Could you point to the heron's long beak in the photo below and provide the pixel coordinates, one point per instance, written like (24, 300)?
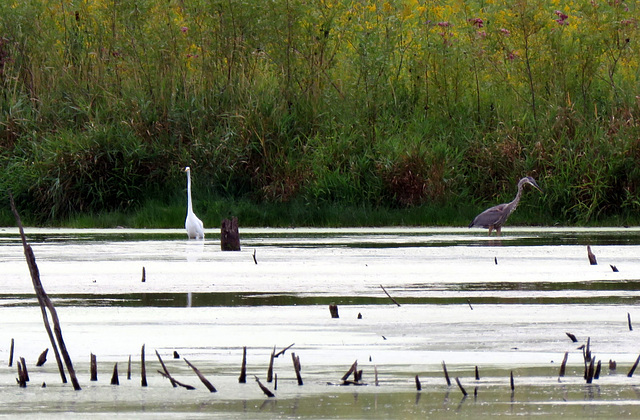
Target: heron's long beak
(537, 187)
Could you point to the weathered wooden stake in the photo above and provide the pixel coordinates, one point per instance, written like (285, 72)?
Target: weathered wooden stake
(614, 268)
(469, 303)
(612, 364)
(144, 275)
(375, 374)
(22, 380)
(11, 353)
(591, 371)
(629, 321)
(572, 337)
(513, 387)
(243, 369)
(352, 369)
(229, 236)
(93, 368)
(255, 260)
(592, 257)
(129, 369)
(143, 369)
(204, 380)
(42, 359)
(477, 374)
(563, 366)
(446, 374)
(598, 367)
(333, 310)
(418, 384)
(114, 377)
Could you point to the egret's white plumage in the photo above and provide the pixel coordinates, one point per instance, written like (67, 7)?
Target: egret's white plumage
(193, 225)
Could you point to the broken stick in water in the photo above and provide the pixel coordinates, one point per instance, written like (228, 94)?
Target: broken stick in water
(46, 304)
(93, 368)
(144, 275)
(592, 257)
(129, 369)
(351, 370)
(477, 374)
(270, 369)
(42, 359)
(11, 353)
(281, 352)
(446, 374)
(204, 380)
(390, 297)
(572, 337)
(243, 369)
(164, 372)
(629, 321)
(255, 260)
(614, 268)
(24, 369)
(333, 310)
(633, 368)
(264, 388)
(464, 391)
(297, 367)
(114, 376)
(563, 366)
(418, 384)
(143, 369)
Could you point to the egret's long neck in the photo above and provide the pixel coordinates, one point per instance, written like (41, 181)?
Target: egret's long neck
(189, 206)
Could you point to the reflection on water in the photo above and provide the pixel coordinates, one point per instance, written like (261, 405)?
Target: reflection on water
(501, 305)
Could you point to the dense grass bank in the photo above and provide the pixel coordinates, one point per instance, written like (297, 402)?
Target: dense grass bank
(319, 113)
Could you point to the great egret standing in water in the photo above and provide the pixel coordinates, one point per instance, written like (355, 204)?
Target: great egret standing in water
(494, 217)
(194, 226)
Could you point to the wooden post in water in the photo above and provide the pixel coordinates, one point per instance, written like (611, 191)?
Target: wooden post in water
(446, 374)
(333, 310)
(94, 368)
(229, 236)
(114, 377)
(42, 359)
(297, 367)
(46, 304)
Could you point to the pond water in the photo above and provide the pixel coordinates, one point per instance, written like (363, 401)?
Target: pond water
(501, 306)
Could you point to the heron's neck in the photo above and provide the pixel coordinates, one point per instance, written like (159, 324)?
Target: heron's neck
(515, 201)
(189, 206)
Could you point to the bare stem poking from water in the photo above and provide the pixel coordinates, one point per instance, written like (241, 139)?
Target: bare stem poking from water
(572, 337)
(264, 388)
(297, 367)
(629, 321)
(392, 299)
(464, 391)
(164, 372)
(592, 257)
(114, 376)
(93, 367)
(45, 303)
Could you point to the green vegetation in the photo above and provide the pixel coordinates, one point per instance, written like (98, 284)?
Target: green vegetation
(334, 112)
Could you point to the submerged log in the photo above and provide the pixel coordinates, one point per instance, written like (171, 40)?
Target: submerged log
(45, 303)
(229, 236)
(243, 369)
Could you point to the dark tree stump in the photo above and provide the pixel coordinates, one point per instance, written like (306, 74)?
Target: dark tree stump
(229, 236)
(43, 358)
(333, 309)
(94, 368)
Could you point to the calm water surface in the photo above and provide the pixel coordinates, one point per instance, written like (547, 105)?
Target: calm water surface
(501, 305)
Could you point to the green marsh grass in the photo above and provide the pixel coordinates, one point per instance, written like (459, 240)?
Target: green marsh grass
(328, 113)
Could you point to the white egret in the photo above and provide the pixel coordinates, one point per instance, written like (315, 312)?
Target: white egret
(193, 225)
